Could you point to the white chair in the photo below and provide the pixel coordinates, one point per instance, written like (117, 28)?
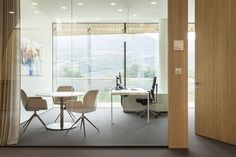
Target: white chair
(89, 104)
(33, 104)
(56, 101)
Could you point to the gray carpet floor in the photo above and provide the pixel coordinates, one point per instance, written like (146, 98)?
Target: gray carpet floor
(129, 129)
(198, 147)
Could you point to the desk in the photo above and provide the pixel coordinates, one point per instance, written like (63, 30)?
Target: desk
(60, 95)
(136, 91)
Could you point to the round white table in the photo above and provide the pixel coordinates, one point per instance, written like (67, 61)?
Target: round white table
(61, 95)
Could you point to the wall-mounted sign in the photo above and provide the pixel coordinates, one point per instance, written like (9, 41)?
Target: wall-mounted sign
(178, 45)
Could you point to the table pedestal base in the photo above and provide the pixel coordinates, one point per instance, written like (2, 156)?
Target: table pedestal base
(57, 126)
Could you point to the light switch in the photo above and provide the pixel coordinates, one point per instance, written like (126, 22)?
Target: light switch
(178, 71)
(178, 45)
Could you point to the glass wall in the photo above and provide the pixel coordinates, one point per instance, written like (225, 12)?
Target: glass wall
(91, 57)
(191, 65)
(142, 60)
(93, 64)
(92, 60)
(86, 44)
(191, 53)
(93, 45)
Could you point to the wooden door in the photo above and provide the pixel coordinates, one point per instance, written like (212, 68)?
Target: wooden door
(215, 113)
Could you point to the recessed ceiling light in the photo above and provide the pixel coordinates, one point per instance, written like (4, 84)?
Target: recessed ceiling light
(34, 3)
(134, 15)
(80, 4)
(113, 3)
(120, 10)
(36, 11)
(63, 8)
(98, 18)
(11, 12)
(153, 3)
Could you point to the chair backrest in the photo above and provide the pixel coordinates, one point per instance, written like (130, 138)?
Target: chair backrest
(24, 98)
(154, 82)
(89, 99)
(64, 89)
(152, 95)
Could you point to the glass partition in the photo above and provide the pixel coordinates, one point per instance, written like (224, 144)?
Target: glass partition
(86, 44)
(97, 56)
(96, 59)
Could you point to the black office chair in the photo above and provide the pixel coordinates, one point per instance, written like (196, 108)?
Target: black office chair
(152, 100)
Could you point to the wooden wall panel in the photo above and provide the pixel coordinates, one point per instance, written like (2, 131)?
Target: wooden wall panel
(177, 87)
(216, 69)
(1, 27)
(1, 41)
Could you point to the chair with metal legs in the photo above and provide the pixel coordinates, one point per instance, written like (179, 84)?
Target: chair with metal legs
(152, 100)
(88, 105)
(33, 104)
(56, 101)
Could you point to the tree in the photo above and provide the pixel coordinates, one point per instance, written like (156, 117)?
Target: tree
(133, 71)
(69, 72)
(149, 73)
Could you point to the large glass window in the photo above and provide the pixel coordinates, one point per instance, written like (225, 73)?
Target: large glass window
(86, 44)
(91, 59)
(94, 61)
(142, 60)
(191, 65)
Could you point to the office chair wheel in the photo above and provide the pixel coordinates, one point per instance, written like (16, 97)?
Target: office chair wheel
(156, 116)
(142, 116)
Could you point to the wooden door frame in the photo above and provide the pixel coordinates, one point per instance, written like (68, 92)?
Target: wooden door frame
(177, 83)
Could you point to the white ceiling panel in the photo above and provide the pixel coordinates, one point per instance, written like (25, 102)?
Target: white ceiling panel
(99, 11)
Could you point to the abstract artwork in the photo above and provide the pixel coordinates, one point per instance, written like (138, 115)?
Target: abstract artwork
(31, 57)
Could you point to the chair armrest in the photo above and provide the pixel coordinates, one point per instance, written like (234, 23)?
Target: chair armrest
(36, 104)
(56, 100)
(73, 105)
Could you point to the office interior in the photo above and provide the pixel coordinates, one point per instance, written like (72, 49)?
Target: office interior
(206, 114)
(53, 72)
(86, 45)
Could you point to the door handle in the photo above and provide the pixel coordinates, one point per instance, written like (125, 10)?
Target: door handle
(197, 84)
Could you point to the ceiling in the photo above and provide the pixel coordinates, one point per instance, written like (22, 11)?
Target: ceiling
(98, 11)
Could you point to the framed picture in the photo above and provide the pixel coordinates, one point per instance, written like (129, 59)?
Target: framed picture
(31, 57)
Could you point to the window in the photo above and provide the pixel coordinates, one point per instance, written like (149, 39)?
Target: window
(90, 59)
(191, 67)
(142, 60)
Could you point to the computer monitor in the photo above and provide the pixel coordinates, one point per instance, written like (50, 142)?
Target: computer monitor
(120, 81)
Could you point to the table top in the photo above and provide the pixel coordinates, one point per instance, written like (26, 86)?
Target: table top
(60, 94)
(129, 91)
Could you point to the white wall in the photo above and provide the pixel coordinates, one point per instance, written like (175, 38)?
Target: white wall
(37, 28)
(163, 56)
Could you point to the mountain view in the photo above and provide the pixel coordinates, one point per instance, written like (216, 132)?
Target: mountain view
(102, 56)
(93, 62)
